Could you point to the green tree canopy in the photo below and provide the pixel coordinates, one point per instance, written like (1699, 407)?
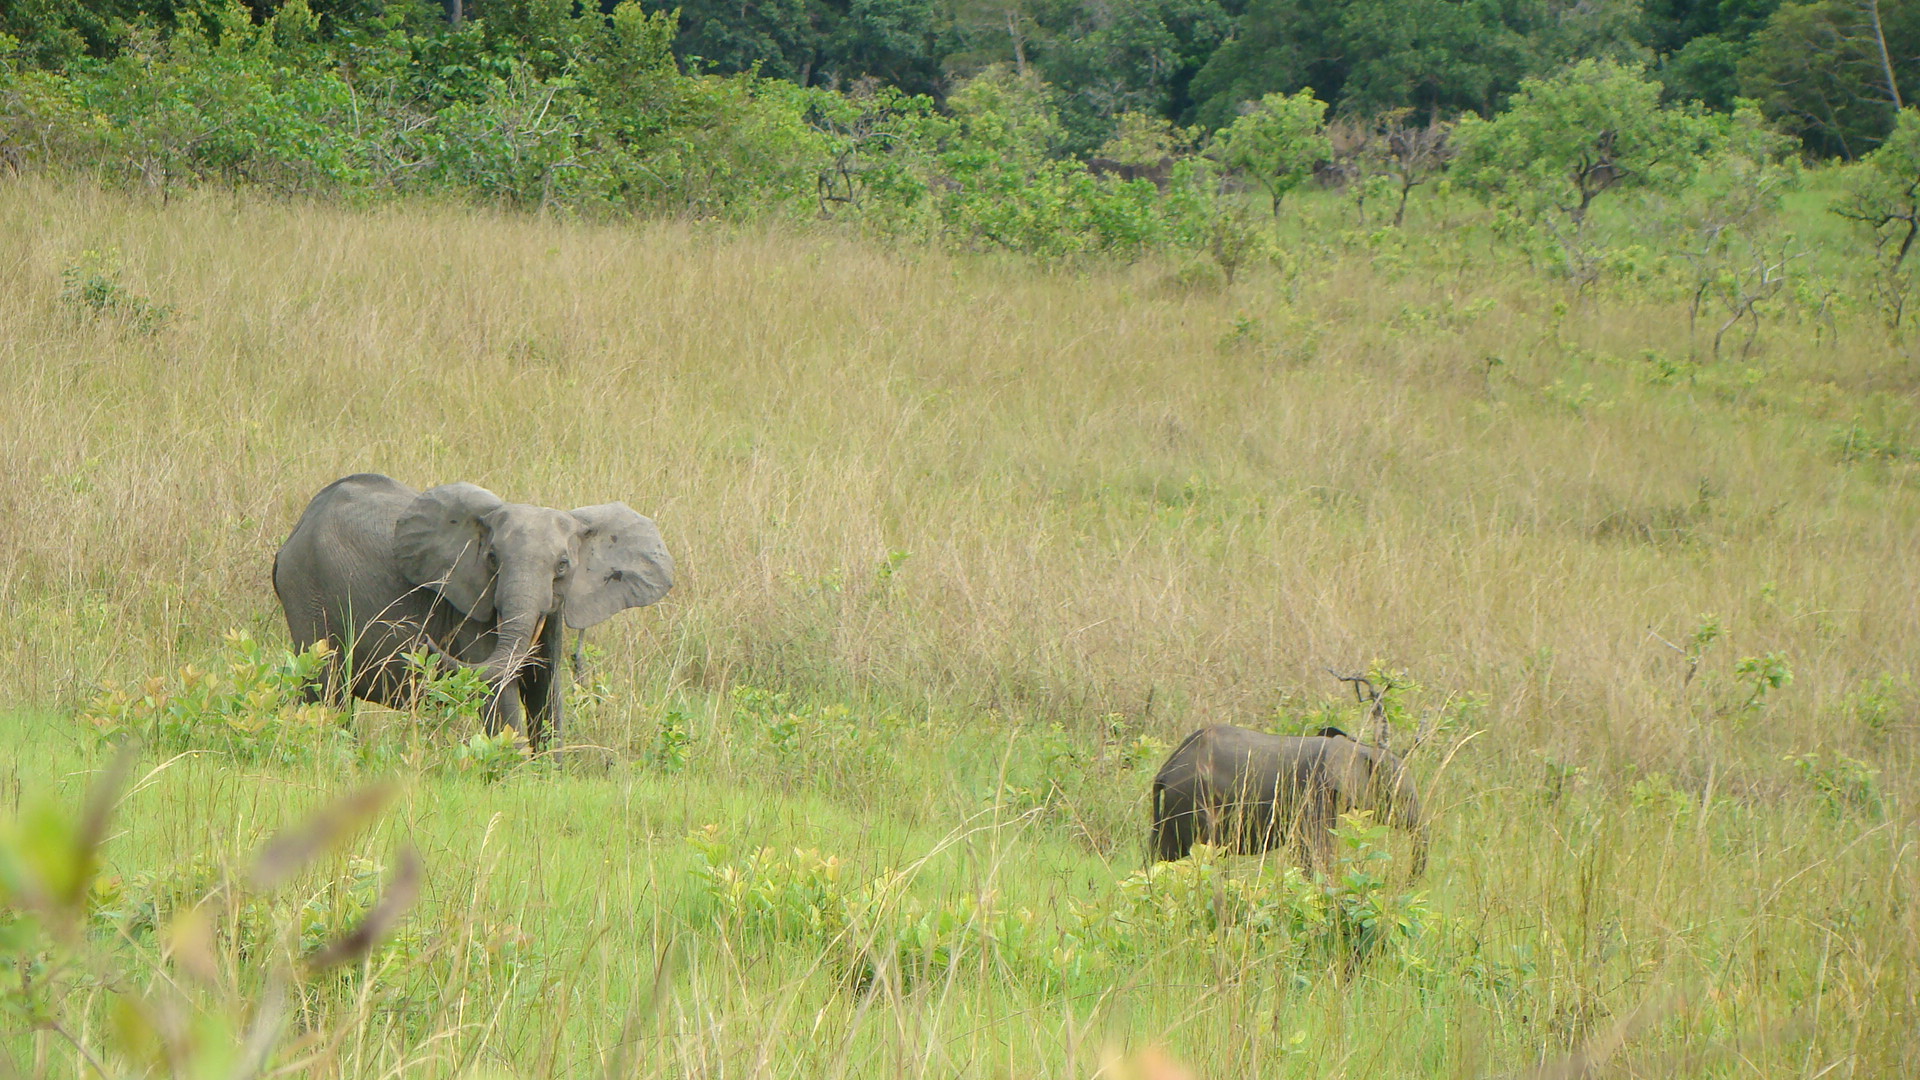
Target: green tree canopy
(1276, 142)
(1565, 140)
(1883, 191)
(1819, 71)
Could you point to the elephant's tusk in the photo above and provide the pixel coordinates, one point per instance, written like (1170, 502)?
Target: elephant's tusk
(434, 648)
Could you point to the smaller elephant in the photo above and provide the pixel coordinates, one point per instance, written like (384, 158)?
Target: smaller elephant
(378, 570)
(1252, 792)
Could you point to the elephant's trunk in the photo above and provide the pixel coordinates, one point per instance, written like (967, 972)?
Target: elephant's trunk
(522, 605)
(1405, 812)
(514, 650)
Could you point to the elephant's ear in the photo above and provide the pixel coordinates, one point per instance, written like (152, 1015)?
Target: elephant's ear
(623, 563)
(441, 541)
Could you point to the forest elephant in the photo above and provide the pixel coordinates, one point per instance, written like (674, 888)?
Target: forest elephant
(1252, 792)
(378, 570)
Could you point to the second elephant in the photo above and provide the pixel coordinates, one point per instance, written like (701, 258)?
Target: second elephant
(1253, 792)
(377, 570)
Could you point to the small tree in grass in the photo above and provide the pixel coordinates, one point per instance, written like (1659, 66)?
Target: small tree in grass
(1884, 191)
(1276, 142)
(1568, 139)
(1883, 194)
(1726, 219)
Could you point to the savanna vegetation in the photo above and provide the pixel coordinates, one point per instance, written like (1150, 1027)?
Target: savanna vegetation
(1000, 441)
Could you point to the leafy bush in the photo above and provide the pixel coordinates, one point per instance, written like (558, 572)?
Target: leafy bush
(671, 742)
(487, 758)
(1883, 198)
(251, 704)
(252, 707)
(872, 928)
(1843, 784)
(221, 99)
(1275, 142)
(1566, 140)
(92, 287)
(1204, 899)
(827, 745)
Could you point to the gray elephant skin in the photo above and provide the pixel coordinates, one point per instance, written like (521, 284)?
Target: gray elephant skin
(377, 569)
(1252, 792)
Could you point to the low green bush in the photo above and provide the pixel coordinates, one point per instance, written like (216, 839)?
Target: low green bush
(250, 705)
(873, 927)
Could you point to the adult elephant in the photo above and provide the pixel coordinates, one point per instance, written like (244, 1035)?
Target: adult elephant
(1252, 792)
(377, 570)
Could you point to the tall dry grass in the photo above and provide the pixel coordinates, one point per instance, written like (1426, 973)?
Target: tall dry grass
(1112, 489)
(1099, 490)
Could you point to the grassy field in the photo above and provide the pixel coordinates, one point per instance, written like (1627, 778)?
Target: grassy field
(964, 544)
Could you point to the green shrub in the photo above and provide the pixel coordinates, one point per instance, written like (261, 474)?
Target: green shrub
(92, 288)
(1207, 899)
(1842, 784)
(872, 928)
(671, 743)
(487, 758)
(251, 706)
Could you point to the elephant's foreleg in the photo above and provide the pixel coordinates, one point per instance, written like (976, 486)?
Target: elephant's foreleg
(1318, 822)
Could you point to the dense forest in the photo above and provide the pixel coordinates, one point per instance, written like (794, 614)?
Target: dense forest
(1048, 129)
(1832, 72)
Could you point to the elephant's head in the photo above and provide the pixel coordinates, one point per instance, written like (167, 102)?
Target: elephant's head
(1385, 783)
(1391, 789)
(517, 565)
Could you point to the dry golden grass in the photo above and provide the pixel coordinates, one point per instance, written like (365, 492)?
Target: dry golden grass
(1119, 495)
(1107, 494)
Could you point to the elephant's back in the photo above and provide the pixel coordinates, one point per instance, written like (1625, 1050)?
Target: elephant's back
(345, 536)
(362, 501)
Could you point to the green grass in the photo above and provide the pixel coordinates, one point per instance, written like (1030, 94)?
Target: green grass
(988, 526)
(573, 884)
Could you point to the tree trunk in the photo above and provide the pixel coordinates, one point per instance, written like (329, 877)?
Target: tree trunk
(1886, 62)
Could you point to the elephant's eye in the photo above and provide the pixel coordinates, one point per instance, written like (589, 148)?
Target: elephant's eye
(566, 564)
(493, 560)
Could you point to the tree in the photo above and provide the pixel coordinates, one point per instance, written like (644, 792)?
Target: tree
(1835, 72)
(780, 38)
(1117, 56)
(1276, 142)
(1416, 153)
(1706, 70)
(1724, 223)
(1436, 56)
(1883, 194)
(1566, 140)
(1276, 46)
